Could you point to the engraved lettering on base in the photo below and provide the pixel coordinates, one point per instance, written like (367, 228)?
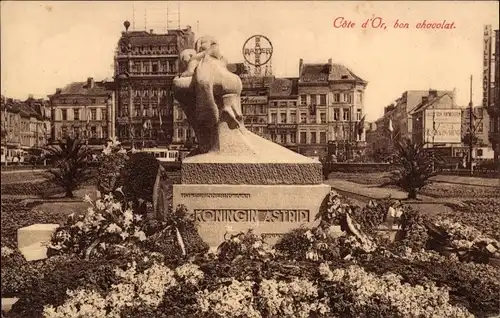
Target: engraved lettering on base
(252, 215)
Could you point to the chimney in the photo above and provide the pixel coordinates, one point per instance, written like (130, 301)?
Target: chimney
(30, 96)
(90, 82)
(151, 31)
(301, 61)
(433, 93)
(330, 61)
(425, 99)
(58, 90)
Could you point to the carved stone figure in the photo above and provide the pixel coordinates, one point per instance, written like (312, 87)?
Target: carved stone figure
(208, 92)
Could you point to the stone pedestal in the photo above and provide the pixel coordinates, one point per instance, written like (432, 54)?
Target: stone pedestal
(271, 210)
(32, 240)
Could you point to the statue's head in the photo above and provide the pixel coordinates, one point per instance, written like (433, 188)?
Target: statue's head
(184, 58)
(210, 44)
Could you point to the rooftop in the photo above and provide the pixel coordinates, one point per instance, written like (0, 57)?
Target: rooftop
(325, 72)
(284, 87)
(84, 88)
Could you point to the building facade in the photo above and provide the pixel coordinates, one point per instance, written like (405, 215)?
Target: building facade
(24, 123)
(437, 121)
(283, 113)
(481, 125)
(145, 65)
(331, 109)
(491, 87)
(83, 110)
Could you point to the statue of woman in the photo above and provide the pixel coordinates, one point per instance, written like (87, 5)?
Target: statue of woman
(208, 92)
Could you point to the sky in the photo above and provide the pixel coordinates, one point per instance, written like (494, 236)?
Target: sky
(46, 45)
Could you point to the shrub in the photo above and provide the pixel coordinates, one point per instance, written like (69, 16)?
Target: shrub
(71, 164)
(140, 173)
(414, 167)
(112, 161)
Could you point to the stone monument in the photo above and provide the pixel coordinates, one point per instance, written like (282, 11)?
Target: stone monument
(235, 177)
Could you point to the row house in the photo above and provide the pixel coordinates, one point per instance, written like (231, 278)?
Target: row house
(83, 110)
(330, 108)
(482, 124)
(255, 103)
(437, 121)
(283, 113)
(24, 124)
(145, 66)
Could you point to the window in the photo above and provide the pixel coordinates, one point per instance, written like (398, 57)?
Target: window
(283, 118)
(64, 114)
(360, 97)
(358, 114)
(313, 99)
(262, 110)
(273, 137)
(93, 114)
(313, 137)
(104, 114)
(93, 101)
(322, 137)
(145, 67)
(293, 104)
(303, 135)
(274, 118)
(180, 133)
(136, 67)
(323, 117)
(480, 127)
(155, 67)
(303, 118)
(283, 138)
(104, 132)
(293, 138)
(303, 99)
(93, 132)
(336, 97)
(322, 99)
(293, 118)
(345, 113)
(274, 104)
(283, 104)
(144, 112)
(336, 114)
(76, 114)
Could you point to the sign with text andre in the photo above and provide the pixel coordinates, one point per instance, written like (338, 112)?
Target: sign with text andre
(443, 125)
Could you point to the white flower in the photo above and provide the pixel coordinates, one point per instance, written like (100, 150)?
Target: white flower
(140, 235)
(256, 244)
(87, 198)
(100, 205)
(106, 151)
(122, 151)
(90, 211)
(113, 228)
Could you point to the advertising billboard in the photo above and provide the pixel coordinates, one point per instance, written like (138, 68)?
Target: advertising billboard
(443, 126)
(487, 37)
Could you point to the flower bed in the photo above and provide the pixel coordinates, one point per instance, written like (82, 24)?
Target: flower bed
(449, 190)
(111, 262)
(38, 189)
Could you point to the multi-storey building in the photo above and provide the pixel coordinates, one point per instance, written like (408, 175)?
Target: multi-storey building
(491, 87)
(24, 125)
(398, 114)
(255, 103)
(437, 121)
(83, 110)
(331, 108)
(481, 124)
(145, 65)
(283, 112)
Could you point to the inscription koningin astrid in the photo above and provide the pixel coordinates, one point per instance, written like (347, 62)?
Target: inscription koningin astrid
(248, 215)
